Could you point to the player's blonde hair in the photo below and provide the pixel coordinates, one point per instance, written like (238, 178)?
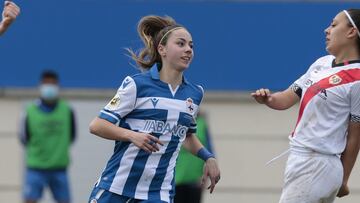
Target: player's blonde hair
(153, 30)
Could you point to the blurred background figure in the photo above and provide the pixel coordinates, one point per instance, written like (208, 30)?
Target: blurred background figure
(9, 14)
(189, 169)
(48, 129)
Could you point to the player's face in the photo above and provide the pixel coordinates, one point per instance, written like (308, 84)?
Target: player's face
(337, 34)
(178, 51)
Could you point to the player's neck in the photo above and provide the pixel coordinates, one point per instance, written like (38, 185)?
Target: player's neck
(348, 55)
(171, 76)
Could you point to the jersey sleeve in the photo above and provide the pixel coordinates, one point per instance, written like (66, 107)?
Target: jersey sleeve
(303, 81)
(122, 103)
(355, 102)
(193, 125)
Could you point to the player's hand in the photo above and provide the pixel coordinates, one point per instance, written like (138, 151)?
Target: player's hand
(145, 141)
(10, 12)
(344, 190)
(211, 170)
(262, 96)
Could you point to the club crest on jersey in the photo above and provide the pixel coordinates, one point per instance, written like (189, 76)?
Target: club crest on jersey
(335, 79)
(190, 105)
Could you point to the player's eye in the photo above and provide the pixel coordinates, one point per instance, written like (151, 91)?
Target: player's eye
(181, 44)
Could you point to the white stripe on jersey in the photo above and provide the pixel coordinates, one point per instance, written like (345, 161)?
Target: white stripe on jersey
(163, 103)
(166, 186)
(164, 193)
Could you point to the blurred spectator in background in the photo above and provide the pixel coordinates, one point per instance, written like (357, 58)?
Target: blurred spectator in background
(48, 129)
(9, 14)
(189, 168)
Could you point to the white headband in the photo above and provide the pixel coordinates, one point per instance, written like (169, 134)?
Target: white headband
(352, 22)
(175, 28)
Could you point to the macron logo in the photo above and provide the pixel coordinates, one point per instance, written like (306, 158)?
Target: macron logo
(154, 101)
(125, 83)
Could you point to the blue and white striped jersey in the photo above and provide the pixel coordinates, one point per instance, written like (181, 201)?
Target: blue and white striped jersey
(144, 103)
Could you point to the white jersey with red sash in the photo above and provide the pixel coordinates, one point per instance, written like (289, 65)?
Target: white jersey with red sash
(330, 98)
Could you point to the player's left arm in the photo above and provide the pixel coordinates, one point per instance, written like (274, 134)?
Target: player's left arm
(9, 14)
(349, 155)
(211, 168)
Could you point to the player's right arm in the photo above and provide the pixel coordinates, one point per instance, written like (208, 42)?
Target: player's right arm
(108, 130)
(9, 14)
(279, 100)
(105, 125)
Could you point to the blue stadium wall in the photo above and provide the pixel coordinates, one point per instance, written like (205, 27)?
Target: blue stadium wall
(238, 45)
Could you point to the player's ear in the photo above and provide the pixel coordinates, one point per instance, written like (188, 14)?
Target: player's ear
(353, 32)
(161, 50)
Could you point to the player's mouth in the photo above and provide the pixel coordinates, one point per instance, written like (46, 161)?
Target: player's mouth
(186, 58)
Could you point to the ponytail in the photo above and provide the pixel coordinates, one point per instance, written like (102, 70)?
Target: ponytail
(152, 31)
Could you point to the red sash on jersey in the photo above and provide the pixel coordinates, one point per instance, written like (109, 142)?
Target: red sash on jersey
(346, 76)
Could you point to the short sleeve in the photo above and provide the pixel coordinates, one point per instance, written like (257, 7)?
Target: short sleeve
(304, 81)
(355, 102)
(193, 125)
(122, 103)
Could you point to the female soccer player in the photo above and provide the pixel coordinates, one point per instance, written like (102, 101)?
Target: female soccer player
(326, 139)
(149, 118)
(9, 14)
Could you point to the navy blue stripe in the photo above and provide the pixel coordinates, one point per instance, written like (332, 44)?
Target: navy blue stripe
(135, 173)
(113, 113)
(160, 173)
(148, 114)
(108, 118)
(113, 164)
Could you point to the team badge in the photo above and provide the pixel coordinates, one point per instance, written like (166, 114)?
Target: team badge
(335, 79)
(190, 105)
(114, 103)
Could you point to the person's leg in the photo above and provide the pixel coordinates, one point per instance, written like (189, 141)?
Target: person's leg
(311, 178)
(59, 186)
(34, 183)
(188, 193)
(328, 180)
(180, 194)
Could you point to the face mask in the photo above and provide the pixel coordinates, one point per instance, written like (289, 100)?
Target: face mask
(49, 91)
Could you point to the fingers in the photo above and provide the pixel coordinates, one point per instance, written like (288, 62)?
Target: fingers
(212, 171)
(214, 180)
(343, 191)
(261, 92)
(262, 95)
(11, 10)
(148, 143)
